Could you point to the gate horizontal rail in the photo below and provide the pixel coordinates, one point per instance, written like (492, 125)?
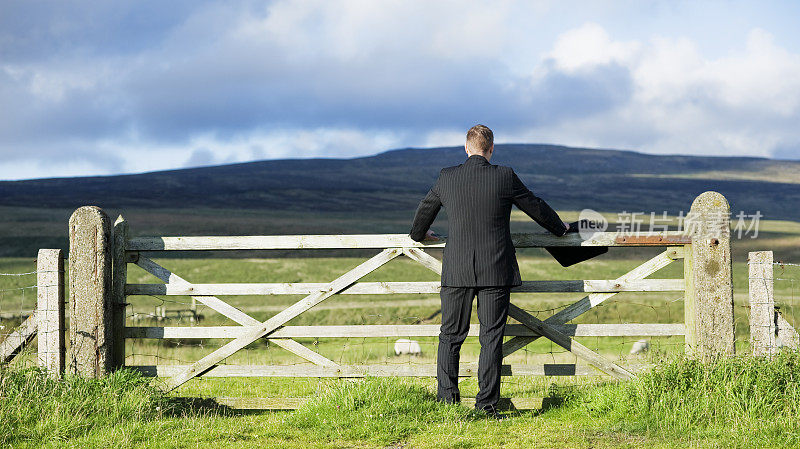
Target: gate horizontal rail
(407, 330)
(379, 241)
(388, 288)
(345, 371)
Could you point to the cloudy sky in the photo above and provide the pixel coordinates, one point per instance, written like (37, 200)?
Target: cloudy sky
(91, 88)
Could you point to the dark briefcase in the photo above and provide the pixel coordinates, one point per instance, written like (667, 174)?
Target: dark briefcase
(570, 255)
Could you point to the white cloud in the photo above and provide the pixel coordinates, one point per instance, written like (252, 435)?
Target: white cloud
(134, 156)
(764, 77)
(589, 46)
(743, 103)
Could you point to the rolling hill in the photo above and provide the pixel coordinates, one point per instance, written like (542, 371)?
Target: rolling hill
(569, 178)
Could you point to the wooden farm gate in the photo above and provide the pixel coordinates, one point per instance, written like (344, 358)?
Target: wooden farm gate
(276, 329)
(100, 254)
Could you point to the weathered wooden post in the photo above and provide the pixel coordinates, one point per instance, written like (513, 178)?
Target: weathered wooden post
(90, 330)
(769, 330)
(689, 303)
(119, 273)
(50, 310)
(709, 286)
(762, 303)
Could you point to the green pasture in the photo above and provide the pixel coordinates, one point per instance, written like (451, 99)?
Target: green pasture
(590, 411)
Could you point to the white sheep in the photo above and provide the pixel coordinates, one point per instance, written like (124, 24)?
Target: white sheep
(640, 346)
(406, 346)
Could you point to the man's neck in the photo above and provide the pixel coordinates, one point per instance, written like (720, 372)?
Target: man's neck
(478, 155)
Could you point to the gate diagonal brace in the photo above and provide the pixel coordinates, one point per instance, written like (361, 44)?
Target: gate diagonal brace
(569, 344)
(592, 300)
(213, 302)
(16, 341)
(283, 317)
(545, 328)
(424, 258)
(232, 312)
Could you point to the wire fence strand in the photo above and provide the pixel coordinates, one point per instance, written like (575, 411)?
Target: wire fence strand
(17, 303)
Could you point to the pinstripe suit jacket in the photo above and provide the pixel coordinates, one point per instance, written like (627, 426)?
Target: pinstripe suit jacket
(478, 197)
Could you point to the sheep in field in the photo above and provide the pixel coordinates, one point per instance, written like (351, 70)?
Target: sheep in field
(406, 346)
(640, 347)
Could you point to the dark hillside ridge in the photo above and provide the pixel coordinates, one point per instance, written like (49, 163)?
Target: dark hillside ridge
(568, 178)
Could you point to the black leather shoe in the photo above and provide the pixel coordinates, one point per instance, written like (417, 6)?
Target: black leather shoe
(491, 412)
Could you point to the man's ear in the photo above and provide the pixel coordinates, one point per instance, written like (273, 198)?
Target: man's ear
(465, 149)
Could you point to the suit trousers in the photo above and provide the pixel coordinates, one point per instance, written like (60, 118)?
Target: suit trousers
(492, 313)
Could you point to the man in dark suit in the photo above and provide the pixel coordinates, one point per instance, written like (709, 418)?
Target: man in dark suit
(479, 259)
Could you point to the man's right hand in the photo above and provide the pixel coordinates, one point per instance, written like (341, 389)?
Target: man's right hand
(430, 236)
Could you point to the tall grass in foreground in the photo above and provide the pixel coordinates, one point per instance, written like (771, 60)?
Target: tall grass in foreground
(378, 410)
(739, 402)
(743, 397)
(34, 407)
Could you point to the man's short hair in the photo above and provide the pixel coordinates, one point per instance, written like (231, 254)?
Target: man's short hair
(479, 139)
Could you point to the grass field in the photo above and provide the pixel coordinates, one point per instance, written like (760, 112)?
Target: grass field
(590, 411)
(736, 403)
